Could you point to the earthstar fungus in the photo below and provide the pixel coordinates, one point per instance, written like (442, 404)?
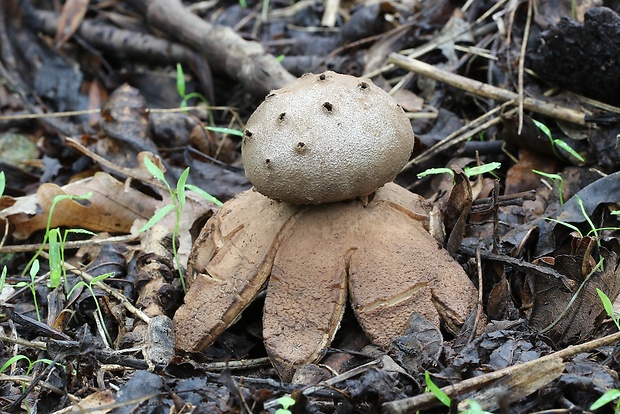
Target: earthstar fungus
(318, 147)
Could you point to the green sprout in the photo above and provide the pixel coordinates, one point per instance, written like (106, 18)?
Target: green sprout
(34, 269)
(31, 364)
(2, 183)
(187, 96)
(609, 307)
(285, 401)
(606, 398)
(474, 408)
(437, 392)
(229, 131)
(558, 182)
(54, 262)
(558, 142)
(90, 288)
(469, 171)
(177, 196)
(57, 244)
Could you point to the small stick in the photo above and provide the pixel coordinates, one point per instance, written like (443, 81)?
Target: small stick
(487, 91)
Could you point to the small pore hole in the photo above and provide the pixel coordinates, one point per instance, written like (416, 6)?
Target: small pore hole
(328, 106)
(322, 77)
(267, 161)
(363, 85)
(248, 133)
(300, 147)
(281, 117)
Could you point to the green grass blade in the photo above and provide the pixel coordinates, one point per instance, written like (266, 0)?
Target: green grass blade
(229, 131)
(435, 171)
(181, 187)
(154, 169)
(77, 285)
(606, 398)
(157, 217)
(544, 128)
(55, 258)
(180, 81)
(437, 392)
(609, 307)
(34, 269)
(569, 149)
(99, 278)
(204, 194)
(570, 226)
(13, 360)
(2, 182)
(482, 169)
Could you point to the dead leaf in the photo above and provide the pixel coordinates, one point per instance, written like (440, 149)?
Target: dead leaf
(91, 403)
(112, 207)
(71, 17)
(569, 315)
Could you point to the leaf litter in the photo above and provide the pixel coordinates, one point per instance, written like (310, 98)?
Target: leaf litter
(537, 277)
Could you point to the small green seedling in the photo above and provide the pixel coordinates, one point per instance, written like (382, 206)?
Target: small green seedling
(285, 401)
(593, 229)
(229, 131)
(558, 142)
(57, 244)
(474, 408)
(187, 96)
(606, 398)
(31, 364)
(615, 213)
(3, 278)
(90, 286)
(469, 171)
(2, 183)
(177, 196)
(557, 181)
(55, 262)
(437, 392)
(34, 269)
(609, 307)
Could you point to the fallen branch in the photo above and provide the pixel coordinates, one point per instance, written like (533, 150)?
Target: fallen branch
(245, 61)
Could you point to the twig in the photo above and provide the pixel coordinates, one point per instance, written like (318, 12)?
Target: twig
(488, 91)
(460, 135)
(526, 34)
(68, 245)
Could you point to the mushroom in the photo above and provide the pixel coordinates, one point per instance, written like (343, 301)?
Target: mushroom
(375, 251)
(325, 138)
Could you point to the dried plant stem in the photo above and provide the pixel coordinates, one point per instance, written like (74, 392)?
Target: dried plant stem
(488, 91)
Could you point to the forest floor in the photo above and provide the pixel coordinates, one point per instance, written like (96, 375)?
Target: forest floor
(121, 129)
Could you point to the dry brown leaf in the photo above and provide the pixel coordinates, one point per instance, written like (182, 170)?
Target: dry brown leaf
(73, 13)
(112, 207)
(91, 403)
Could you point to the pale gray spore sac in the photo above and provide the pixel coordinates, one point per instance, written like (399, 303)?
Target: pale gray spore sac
(325, 138)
